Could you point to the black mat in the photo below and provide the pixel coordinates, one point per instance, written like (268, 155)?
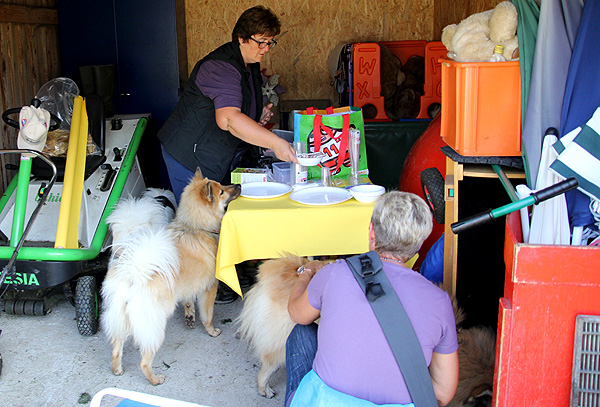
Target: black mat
(514, 162)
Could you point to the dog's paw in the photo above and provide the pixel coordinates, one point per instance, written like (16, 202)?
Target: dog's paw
(214, 332)
(157, 379)
(118, 371)
(267, 392)
(190, 321)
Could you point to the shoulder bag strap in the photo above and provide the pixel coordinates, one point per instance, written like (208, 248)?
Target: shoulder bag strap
(396, 326)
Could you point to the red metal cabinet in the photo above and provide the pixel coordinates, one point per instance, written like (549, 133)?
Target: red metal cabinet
(546, 287)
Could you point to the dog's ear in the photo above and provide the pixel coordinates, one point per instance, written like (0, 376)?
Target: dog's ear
(199, 173)
(209, 193)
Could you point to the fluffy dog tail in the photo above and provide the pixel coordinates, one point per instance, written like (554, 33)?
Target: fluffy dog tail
(144, 212)
(138, 257)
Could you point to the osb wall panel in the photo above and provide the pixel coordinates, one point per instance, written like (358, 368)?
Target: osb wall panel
(310, 31)
(453, 12)
(28, 58)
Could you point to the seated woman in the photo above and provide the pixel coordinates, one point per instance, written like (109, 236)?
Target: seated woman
(353, 363)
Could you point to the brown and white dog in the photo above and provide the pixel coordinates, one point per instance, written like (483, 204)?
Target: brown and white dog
(264, 321)
(156, 264)
(265, 324)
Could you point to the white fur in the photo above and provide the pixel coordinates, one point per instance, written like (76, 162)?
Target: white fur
(143, 250)
(158, 261)
(264, 322)
(265, 325)
(143, 212)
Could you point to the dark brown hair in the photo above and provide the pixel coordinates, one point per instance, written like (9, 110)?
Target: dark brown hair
(256, 20)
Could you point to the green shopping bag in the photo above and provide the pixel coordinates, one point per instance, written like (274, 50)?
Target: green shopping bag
(332, 127)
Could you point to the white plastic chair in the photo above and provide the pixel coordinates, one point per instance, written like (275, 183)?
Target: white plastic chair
(137, 397)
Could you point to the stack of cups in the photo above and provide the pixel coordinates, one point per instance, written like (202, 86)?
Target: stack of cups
(354, 152)
(299, 173)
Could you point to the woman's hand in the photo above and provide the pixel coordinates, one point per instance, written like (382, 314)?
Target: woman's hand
(266, 115)
(284, 150)
(243, 127)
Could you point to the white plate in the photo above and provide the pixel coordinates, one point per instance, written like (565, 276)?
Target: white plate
(321, 196)
(264, 190)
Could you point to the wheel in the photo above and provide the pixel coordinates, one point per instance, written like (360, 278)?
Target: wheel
(86, 305)
(432, 183)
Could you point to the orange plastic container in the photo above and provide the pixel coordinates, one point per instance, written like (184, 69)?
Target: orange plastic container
(366, 81)
(481, 107)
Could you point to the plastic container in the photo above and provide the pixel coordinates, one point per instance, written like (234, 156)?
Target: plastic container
(367, 193)
(282, 172)
(481, 107)
(366, 80)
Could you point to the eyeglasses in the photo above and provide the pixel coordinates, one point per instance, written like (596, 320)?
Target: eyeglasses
(263, 44)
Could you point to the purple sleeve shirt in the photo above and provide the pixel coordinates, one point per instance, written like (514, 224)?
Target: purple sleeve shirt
(220, 81)
(353, 354)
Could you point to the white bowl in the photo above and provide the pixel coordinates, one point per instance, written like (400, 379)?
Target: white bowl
(367, 193)
(309, 159)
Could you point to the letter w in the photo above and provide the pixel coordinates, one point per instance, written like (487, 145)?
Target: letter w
(367, 66)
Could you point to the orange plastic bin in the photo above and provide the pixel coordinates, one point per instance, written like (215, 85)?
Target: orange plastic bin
(481, 107)
(546, 287)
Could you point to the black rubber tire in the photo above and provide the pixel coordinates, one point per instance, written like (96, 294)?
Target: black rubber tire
(432, 183)
(86, 305)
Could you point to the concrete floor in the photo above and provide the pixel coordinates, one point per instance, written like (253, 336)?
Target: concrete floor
(46, 362)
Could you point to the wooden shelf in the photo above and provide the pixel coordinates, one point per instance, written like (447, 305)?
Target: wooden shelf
(455, 172)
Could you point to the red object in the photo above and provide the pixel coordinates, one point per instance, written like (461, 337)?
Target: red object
(545, 288)
(425, 153)
(366, 82)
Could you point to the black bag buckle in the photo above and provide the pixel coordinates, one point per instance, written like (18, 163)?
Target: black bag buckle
(372, 291)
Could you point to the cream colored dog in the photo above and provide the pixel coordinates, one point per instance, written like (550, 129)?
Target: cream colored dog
(264, 322)
(154, 267)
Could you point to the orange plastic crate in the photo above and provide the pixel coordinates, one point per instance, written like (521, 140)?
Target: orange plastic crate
(481, 107)
(366, 82)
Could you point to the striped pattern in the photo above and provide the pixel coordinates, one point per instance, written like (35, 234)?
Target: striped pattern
(579, 156)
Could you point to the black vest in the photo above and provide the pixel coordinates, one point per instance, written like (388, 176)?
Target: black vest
(191, 134)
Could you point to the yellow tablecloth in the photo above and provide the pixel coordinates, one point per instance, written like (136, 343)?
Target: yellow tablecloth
(268, 228)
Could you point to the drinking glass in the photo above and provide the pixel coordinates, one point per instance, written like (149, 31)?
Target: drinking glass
(354, 151)
(325, 176)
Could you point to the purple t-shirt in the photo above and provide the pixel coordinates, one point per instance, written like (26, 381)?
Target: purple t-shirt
(353, 354)
(220, 81)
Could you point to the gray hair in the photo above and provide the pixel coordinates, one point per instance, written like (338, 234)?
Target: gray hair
(401, 221)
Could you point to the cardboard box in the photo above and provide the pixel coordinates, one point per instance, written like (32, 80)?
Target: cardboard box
(243, 175)
(481, 107)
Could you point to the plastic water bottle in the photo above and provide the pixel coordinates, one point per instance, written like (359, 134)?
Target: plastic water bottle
(498, 55)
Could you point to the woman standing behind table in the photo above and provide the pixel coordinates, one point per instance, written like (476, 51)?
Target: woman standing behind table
(219, 113)
(354, 364)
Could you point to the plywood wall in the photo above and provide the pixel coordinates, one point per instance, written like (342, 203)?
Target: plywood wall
(28, 59)
(310, 31)
(452, 12)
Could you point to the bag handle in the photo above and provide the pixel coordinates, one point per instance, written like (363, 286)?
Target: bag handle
(318, 127)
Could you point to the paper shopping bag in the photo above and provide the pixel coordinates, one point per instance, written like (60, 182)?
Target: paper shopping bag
(332, 129)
